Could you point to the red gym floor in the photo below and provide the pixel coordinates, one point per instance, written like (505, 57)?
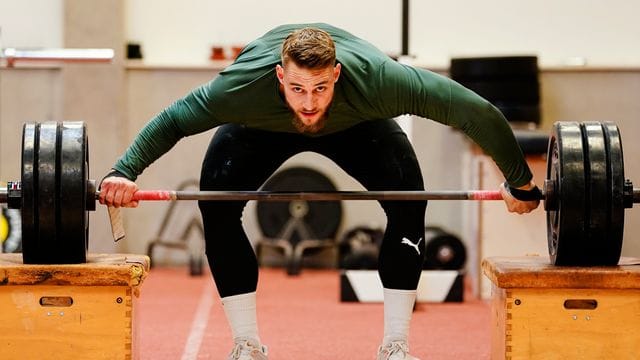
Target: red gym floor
(180, 317)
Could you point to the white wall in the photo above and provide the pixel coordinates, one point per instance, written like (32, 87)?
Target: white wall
(172, 31)
(184, 31)
(602, 32)
(31, 23)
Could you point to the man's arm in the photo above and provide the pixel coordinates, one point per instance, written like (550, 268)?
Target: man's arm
(187, 116)
(424, 93)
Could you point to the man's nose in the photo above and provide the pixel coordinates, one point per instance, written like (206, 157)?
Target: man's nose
(309, 102)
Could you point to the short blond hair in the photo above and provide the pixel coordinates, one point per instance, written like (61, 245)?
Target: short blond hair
(310, 48)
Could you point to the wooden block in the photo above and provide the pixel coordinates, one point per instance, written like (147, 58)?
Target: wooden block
(80, 311)
(540, 311)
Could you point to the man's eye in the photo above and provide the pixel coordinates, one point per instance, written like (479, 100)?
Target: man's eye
(297, 89)
(321, 88)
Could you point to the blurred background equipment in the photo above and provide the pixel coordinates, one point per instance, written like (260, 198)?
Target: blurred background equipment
(508, 82)
(359, 247)
(10, 230)
(134, 51)
(297, 228)
(512, 84)
(444, 250)
(180, 229)
(13, 55)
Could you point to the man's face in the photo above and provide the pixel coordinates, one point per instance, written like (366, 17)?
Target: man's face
(308, 93)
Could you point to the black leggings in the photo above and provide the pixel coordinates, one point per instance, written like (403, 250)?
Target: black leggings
(376, 153)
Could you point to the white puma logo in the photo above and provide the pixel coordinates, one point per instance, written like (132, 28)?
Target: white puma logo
(415, 246)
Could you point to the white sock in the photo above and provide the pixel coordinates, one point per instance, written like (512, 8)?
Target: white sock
(241, 315)
(398, 309)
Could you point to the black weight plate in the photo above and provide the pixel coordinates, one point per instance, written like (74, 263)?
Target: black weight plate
(90, 196)
(514, 91)
(616, 179)
(566, 221)
(54, 178)
(494, 67)
(598, 193)
(47, 198)
(323, 217)
(443, 250)
(72, 187)
(29, 210)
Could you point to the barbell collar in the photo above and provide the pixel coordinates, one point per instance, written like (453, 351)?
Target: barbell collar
(11, 195)
(631, 194)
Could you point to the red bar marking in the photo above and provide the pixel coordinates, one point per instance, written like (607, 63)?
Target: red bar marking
(152, 195)
(486, 195)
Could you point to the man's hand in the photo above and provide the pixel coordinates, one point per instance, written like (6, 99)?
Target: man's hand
(117, 192)
(518, 206)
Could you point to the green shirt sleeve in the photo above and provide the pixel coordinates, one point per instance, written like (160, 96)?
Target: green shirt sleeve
(187, 116)
(410, 90)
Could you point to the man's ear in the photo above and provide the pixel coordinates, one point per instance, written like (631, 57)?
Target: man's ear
(336, 72)
(280, 73)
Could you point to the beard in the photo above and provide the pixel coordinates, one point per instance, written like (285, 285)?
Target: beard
(314, 128)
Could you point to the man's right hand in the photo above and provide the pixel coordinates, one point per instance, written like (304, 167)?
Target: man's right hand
(117, 191)
(519, 206)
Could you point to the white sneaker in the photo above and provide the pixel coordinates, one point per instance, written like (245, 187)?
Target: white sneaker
(395, 350)
(248, 350)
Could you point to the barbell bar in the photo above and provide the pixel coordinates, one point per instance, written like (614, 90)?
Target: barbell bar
(585, 193)
(171, 195)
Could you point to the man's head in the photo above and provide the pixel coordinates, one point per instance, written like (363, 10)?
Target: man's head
(307, 77)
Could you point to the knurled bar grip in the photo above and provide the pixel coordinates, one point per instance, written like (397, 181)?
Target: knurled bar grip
(169, 195)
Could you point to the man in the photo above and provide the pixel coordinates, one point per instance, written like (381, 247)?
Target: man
(318, 88)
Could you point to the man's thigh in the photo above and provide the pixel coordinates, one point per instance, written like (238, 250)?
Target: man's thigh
(242, 159)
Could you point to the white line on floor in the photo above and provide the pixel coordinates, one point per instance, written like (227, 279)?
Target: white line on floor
(199, 324)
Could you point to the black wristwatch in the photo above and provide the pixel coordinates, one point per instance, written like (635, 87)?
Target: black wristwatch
(524, 195)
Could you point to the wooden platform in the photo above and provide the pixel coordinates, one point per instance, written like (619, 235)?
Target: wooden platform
(540, 311)
(80, 311)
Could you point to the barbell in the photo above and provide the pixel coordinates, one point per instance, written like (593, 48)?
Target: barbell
(585, 194)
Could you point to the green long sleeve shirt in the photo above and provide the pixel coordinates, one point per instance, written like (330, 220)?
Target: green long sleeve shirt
(372, 86)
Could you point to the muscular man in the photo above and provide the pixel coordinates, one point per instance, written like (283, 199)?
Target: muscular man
(318, 88)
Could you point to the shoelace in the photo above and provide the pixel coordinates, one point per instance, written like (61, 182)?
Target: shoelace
(396, 347)
(235, 353)
(242, 348)
(239, 348)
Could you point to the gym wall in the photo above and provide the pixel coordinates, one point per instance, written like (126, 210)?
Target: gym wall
(601, 32)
